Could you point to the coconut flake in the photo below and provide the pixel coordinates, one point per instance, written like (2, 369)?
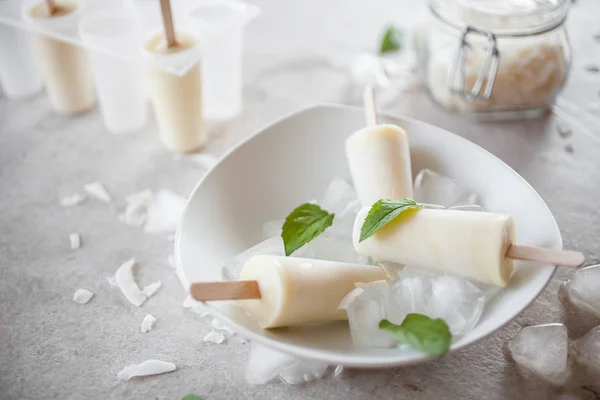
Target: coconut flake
(73, 200)
(147, 323)
(98, 190)
(125, 281)
(164, 212)
(75, 240)
(150, 289)
(136, 209)
(221, 326)
(148, 367)
(82, 296)
(112, 281)
(214, 337)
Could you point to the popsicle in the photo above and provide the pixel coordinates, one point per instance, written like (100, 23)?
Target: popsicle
(379, 159)
(284, 291)
(470, 244)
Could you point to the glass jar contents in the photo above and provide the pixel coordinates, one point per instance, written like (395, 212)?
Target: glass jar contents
(506, 59)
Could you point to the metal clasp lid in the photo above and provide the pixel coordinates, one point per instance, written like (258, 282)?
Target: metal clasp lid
(487, 73)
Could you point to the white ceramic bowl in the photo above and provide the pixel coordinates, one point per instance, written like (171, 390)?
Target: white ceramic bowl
(292, 161)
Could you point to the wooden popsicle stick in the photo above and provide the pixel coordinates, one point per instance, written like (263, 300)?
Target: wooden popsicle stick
(225, 290)
(51, 6)
(369, 106)
(165, 8)
(556, 257)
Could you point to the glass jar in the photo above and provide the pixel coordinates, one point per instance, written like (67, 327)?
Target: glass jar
(498, 59)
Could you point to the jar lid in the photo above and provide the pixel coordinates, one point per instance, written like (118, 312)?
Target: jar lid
(505, 17)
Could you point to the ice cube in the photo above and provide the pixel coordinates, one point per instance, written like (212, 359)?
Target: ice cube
(542, 350)
(433, 188)
(581, 291)
(365, 310)
(587, 349)
(232, 268)
(303, 371)
(338, 196)
(392, 270)
(457, 301)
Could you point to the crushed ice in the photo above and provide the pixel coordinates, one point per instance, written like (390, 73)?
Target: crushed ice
(433, 188)
(148, 367)
(232, 268)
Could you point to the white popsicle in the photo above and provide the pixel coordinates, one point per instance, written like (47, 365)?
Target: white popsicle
(379, 161)
(464, 243)
(297, 291)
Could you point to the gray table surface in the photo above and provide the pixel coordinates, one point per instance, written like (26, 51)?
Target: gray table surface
(296, 54)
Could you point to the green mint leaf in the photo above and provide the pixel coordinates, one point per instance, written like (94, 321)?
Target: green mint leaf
(192, 397)
(431, 336)
(392, 40)
(304, 224)
(383, 212)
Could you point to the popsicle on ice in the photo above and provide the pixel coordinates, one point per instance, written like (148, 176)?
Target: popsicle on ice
(470, 244)
(291, 291)
(379, 159)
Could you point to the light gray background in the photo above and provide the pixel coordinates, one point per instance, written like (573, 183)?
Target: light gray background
(296, 54)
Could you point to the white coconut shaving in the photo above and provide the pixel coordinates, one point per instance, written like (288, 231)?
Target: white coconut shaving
(164, 212)
(350, 297)
(82, 296)
(125, 281)
(221, 326)
(214, 337)
(171, 261)
(194, 306)
(98, 190)
(147, 323)
(136, 209)
(150, 289)
(147, 368)
(73, 200)
(75, 240)
(112, 281)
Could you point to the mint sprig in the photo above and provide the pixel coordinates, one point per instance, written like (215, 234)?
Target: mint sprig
(383, 212)
(392, 39)
(431, 336)
(304, 224)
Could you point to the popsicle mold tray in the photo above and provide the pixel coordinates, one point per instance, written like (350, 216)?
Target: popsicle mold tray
(210, 21)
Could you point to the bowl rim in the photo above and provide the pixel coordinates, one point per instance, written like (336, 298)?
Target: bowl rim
(370, 361)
